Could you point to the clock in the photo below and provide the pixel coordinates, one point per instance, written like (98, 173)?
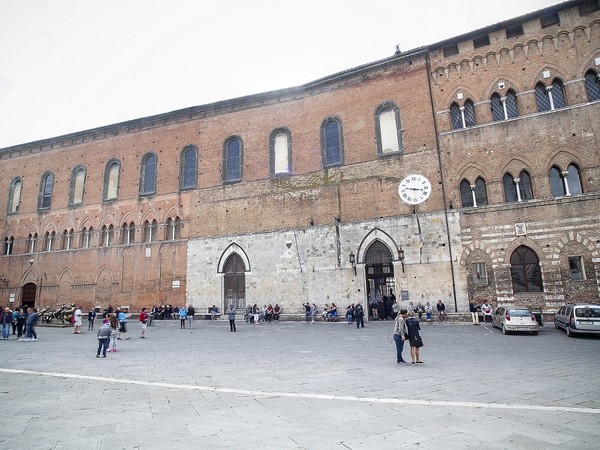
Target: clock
(414, 189)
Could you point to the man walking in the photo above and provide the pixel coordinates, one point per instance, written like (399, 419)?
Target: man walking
(359, 312)
(441, 311)
(190, 316)
(400, 335)
(231, 315)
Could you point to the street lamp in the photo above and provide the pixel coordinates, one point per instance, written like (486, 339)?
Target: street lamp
(401, 256)
(352, 259)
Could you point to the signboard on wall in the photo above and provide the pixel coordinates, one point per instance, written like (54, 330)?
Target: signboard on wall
(404, 295)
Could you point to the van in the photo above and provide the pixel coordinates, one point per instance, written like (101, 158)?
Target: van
(575, 319)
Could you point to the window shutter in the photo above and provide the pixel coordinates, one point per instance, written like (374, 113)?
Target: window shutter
(332, 144)
(233, 160)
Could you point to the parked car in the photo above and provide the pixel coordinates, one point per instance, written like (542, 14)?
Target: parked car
(574, 319)
(515, 319)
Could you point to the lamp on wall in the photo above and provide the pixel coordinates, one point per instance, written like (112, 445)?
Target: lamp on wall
(352, 259)
(3, 280)
(401, 256)
(31, 262)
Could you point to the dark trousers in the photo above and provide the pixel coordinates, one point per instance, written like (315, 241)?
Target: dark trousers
(90, 324)
(360, 321)
(231, 324)
(399, 347)
(103, 345)
(182, 323)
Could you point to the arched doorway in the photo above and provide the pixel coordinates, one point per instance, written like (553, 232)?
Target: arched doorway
(29, 295)
(235, 282)
(379, 271)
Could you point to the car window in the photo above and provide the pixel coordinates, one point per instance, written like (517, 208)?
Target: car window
(518, 313)
(561, 311)
(568, 311)
(587, 312)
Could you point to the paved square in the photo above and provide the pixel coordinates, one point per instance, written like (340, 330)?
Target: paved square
(294, 385)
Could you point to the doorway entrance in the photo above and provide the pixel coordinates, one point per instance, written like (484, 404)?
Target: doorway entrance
(235, 283)
(28, 296)
(379, 269)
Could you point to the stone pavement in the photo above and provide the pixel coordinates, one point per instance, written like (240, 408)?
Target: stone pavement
(294, 385)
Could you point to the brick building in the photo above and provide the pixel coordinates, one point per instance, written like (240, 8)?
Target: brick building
(467, 169)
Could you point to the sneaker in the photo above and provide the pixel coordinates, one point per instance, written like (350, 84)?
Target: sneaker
(104, 356)
(34, 339)
(97, 356)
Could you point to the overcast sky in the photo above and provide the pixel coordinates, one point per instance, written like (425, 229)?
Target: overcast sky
(72, 65)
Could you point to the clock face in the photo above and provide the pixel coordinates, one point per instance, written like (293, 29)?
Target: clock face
(414, 189)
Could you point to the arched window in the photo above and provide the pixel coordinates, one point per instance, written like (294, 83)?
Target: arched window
(387, 129)
(67, 239)
(77, 186)
(31, 242)
(525, 270)
(573, 180)
(480, 192)
(107, 235)
(463, 116)
(128, 233)
(497, 107)
(510, 189)
(110, 190)
(150, 231)
(504, 108)
(280, 147)
(592, 85)
(525, 190)
(8, 245)
(173, 229)
(46, 186)
(332, 146)
(49, 241)
(86, 237)
(510, 103)
(232, 160)
(14, 196)
(188, 170)
(148, 174)
(551, 97)
(557, 186)
(466, 194)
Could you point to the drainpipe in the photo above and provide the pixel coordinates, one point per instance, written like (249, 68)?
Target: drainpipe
(439, 154)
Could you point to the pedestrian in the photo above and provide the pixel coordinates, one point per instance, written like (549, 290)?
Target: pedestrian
(91, 318)
(143, 322)
(350, 313)
(182, 317)
(441, 308)
(359, 313)
(313, 312)
(231, 315)
(414, 338)
(6, 321)
(15, 316)
(114, 332)
(30, 323)
(307, 313)
(474, 313)
(103, 338)
(21, 323)
(428, 311)
(122, 318)
(400, 335)
(190, 316)
(487, 312)
(77, 315)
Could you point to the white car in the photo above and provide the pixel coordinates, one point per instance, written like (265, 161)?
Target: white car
(515, 319)
(578, 319)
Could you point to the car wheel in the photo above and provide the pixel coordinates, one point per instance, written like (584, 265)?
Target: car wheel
(504, 330)
(535, 333)
(569, 332)
(556, 325)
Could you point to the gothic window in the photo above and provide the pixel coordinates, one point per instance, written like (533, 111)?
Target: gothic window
(8, 245)
(280, 146)
(479, 273)
(67, 239)
(462, 116)
(565, 183)
(466, 194)
(525, 190)
(525, 270)
(504, 108)
(107, 235)
(49, 241)
(549, 98)
(497, 107)
(32, 242)
(188, 171)
(232, 160)
(332, 146)
(573, 180)
(14, 196)
(592, 85)
(173, 229)
(511, 104)
(148, 174)
(86, 237)
(576, 268)
(128, 233)
(111, 180)
(77, 186)
(510, 189)
(46, 186)
(387, 129)
(150, 231)
(557, 186)
(480, 192)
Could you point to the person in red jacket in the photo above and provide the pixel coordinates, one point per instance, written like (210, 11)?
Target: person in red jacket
(143, 322)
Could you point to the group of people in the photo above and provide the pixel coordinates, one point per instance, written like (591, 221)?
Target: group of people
(21, 321)
(268, 313)
(406, 328)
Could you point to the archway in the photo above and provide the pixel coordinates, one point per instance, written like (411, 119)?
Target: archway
(29, 295)
(379, 273)
(235, 282)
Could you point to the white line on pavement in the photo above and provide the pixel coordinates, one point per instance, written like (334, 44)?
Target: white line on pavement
(397, 401)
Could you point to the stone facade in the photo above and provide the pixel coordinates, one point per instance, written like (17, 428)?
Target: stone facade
(292, 226)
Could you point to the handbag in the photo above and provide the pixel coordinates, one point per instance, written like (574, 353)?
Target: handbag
(418, 342)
